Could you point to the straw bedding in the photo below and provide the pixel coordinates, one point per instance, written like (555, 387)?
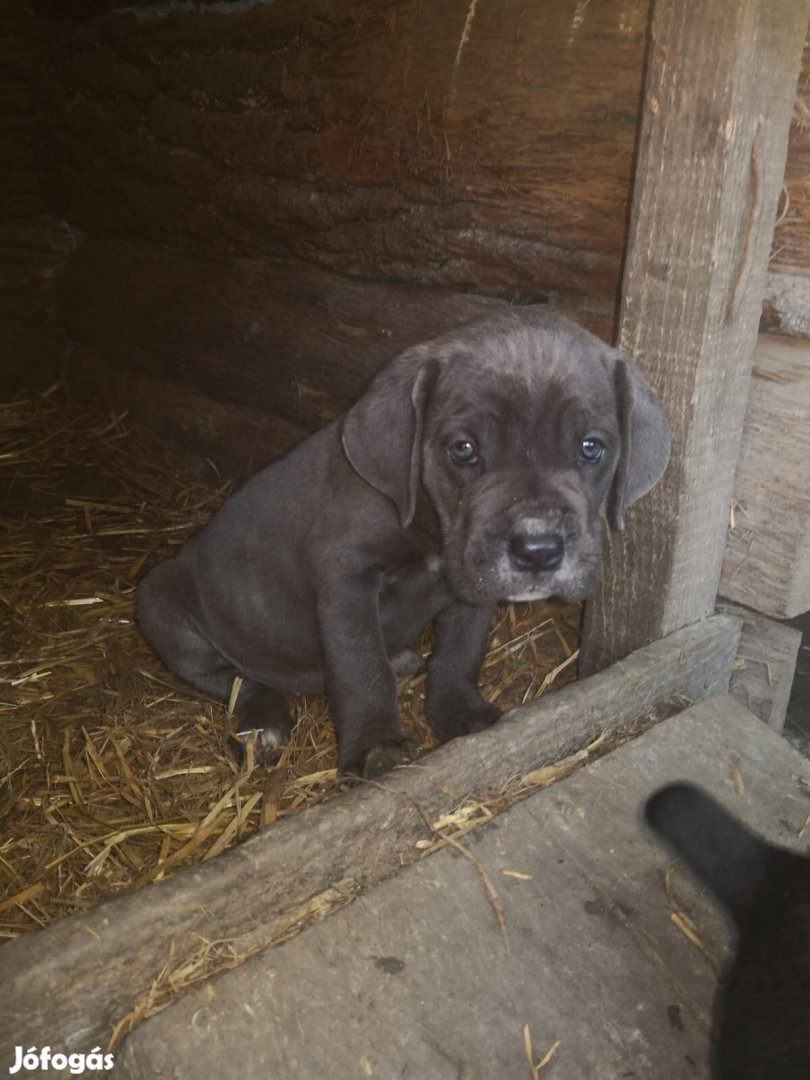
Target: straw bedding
(115, 773)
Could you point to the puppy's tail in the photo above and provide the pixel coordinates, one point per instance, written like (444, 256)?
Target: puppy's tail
(722, 853)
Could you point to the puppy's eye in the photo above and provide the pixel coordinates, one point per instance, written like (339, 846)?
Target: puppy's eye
(592, 450)
(462, 452)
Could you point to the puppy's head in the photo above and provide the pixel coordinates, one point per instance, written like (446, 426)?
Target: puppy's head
(521, 428)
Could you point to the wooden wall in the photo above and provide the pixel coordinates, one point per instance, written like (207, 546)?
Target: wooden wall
(280, 196)
(369, 139)
(787, 299)
(34, 242)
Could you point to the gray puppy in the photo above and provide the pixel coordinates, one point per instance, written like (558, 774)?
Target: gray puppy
(475, 468)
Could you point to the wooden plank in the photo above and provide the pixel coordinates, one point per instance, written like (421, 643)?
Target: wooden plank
(767, 557)
(791, 240)
(34, 242)
(416, 979)
(190, 430)
(721, 80)
(189, 114)
(766, 663)
(786, 306)
(277, 336)
(391, 142)
(80, 976)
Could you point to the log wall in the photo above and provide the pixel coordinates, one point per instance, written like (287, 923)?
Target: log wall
(233, 163)
(34, 242)
(787, 296)
(767, 557)
(395, 141)
(280, 197)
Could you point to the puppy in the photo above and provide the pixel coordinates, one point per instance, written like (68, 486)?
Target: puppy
(762, 1007)
(475, 468)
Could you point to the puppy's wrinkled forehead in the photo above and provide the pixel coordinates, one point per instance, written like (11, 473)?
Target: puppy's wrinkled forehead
(524, 362)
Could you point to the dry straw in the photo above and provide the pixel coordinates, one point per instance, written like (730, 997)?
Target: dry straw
(115, 773)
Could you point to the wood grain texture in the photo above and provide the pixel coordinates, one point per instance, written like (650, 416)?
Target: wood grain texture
(415, 979)
(371, 141)
(34, 243)
(791, 239)
(766, 663)
(246, 335)
(786, 309)
(379, 141)
(206, 438)
(81, 975)
(786, 305)
(721, 81)
(767, 554)
(280, 335)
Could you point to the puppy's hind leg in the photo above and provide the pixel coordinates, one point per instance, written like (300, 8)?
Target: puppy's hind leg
(265, 711)
(170, 630)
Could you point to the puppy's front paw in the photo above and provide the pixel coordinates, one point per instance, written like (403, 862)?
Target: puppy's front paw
(380, 759)
(450, 721)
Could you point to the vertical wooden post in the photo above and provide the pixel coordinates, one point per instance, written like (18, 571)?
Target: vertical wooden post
(719, 90)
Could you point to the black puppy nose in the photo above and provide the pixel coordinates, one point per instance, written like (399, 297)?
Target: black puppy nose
(539, 551)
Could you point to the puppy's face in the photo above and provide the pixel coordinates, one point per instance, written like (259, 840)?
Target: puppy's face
(518, 461)
(520, 428)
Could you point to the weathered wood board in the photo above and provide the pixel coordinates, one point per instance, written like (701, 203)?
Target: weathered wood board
(82, 975)
(485, 146)
(786, 305)
(767, 556)
(34, 242)
(452, 144)
(415, 980)
(762, 678)
(791, 240)
(721, 83)
(206, 438)
(241, 169)
(271, 350)
(291, 332)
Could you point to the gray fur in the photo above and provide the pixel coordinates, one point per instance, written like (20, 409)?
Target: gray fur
(330, 562)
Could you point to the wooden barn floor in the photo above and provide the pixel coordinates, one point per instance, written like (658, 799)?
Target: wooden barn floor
(604, 967)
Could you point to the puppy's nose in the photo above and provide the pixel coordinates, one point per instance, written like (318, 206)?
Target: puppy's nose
(536, 551)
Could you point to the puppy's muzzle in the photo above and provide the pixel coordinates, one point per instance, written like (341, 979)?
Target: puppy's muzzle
(533, 551)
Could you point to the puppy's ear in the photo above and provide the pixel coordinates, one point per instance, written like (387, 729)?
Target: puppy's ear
(645, 439)
(382, 432)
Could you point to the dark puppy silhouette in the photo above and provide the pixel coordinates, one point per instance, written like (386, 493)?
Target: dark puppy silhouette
(762, 1007)
(475, 468)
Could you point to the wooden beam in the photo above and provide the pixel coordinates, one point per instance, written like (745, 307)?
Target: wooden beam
(366, 139)
(205, 437)
(767, 563)
(721, 79)
(786, 305)
(589, 890)
(296, 340)
(237, 359)
(766, 663)
(79, 977)
(791, 242)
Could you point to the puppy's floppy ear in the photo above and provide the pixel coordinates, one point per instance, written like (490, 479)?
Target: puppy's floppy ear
(382, 432)
(645, 441)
